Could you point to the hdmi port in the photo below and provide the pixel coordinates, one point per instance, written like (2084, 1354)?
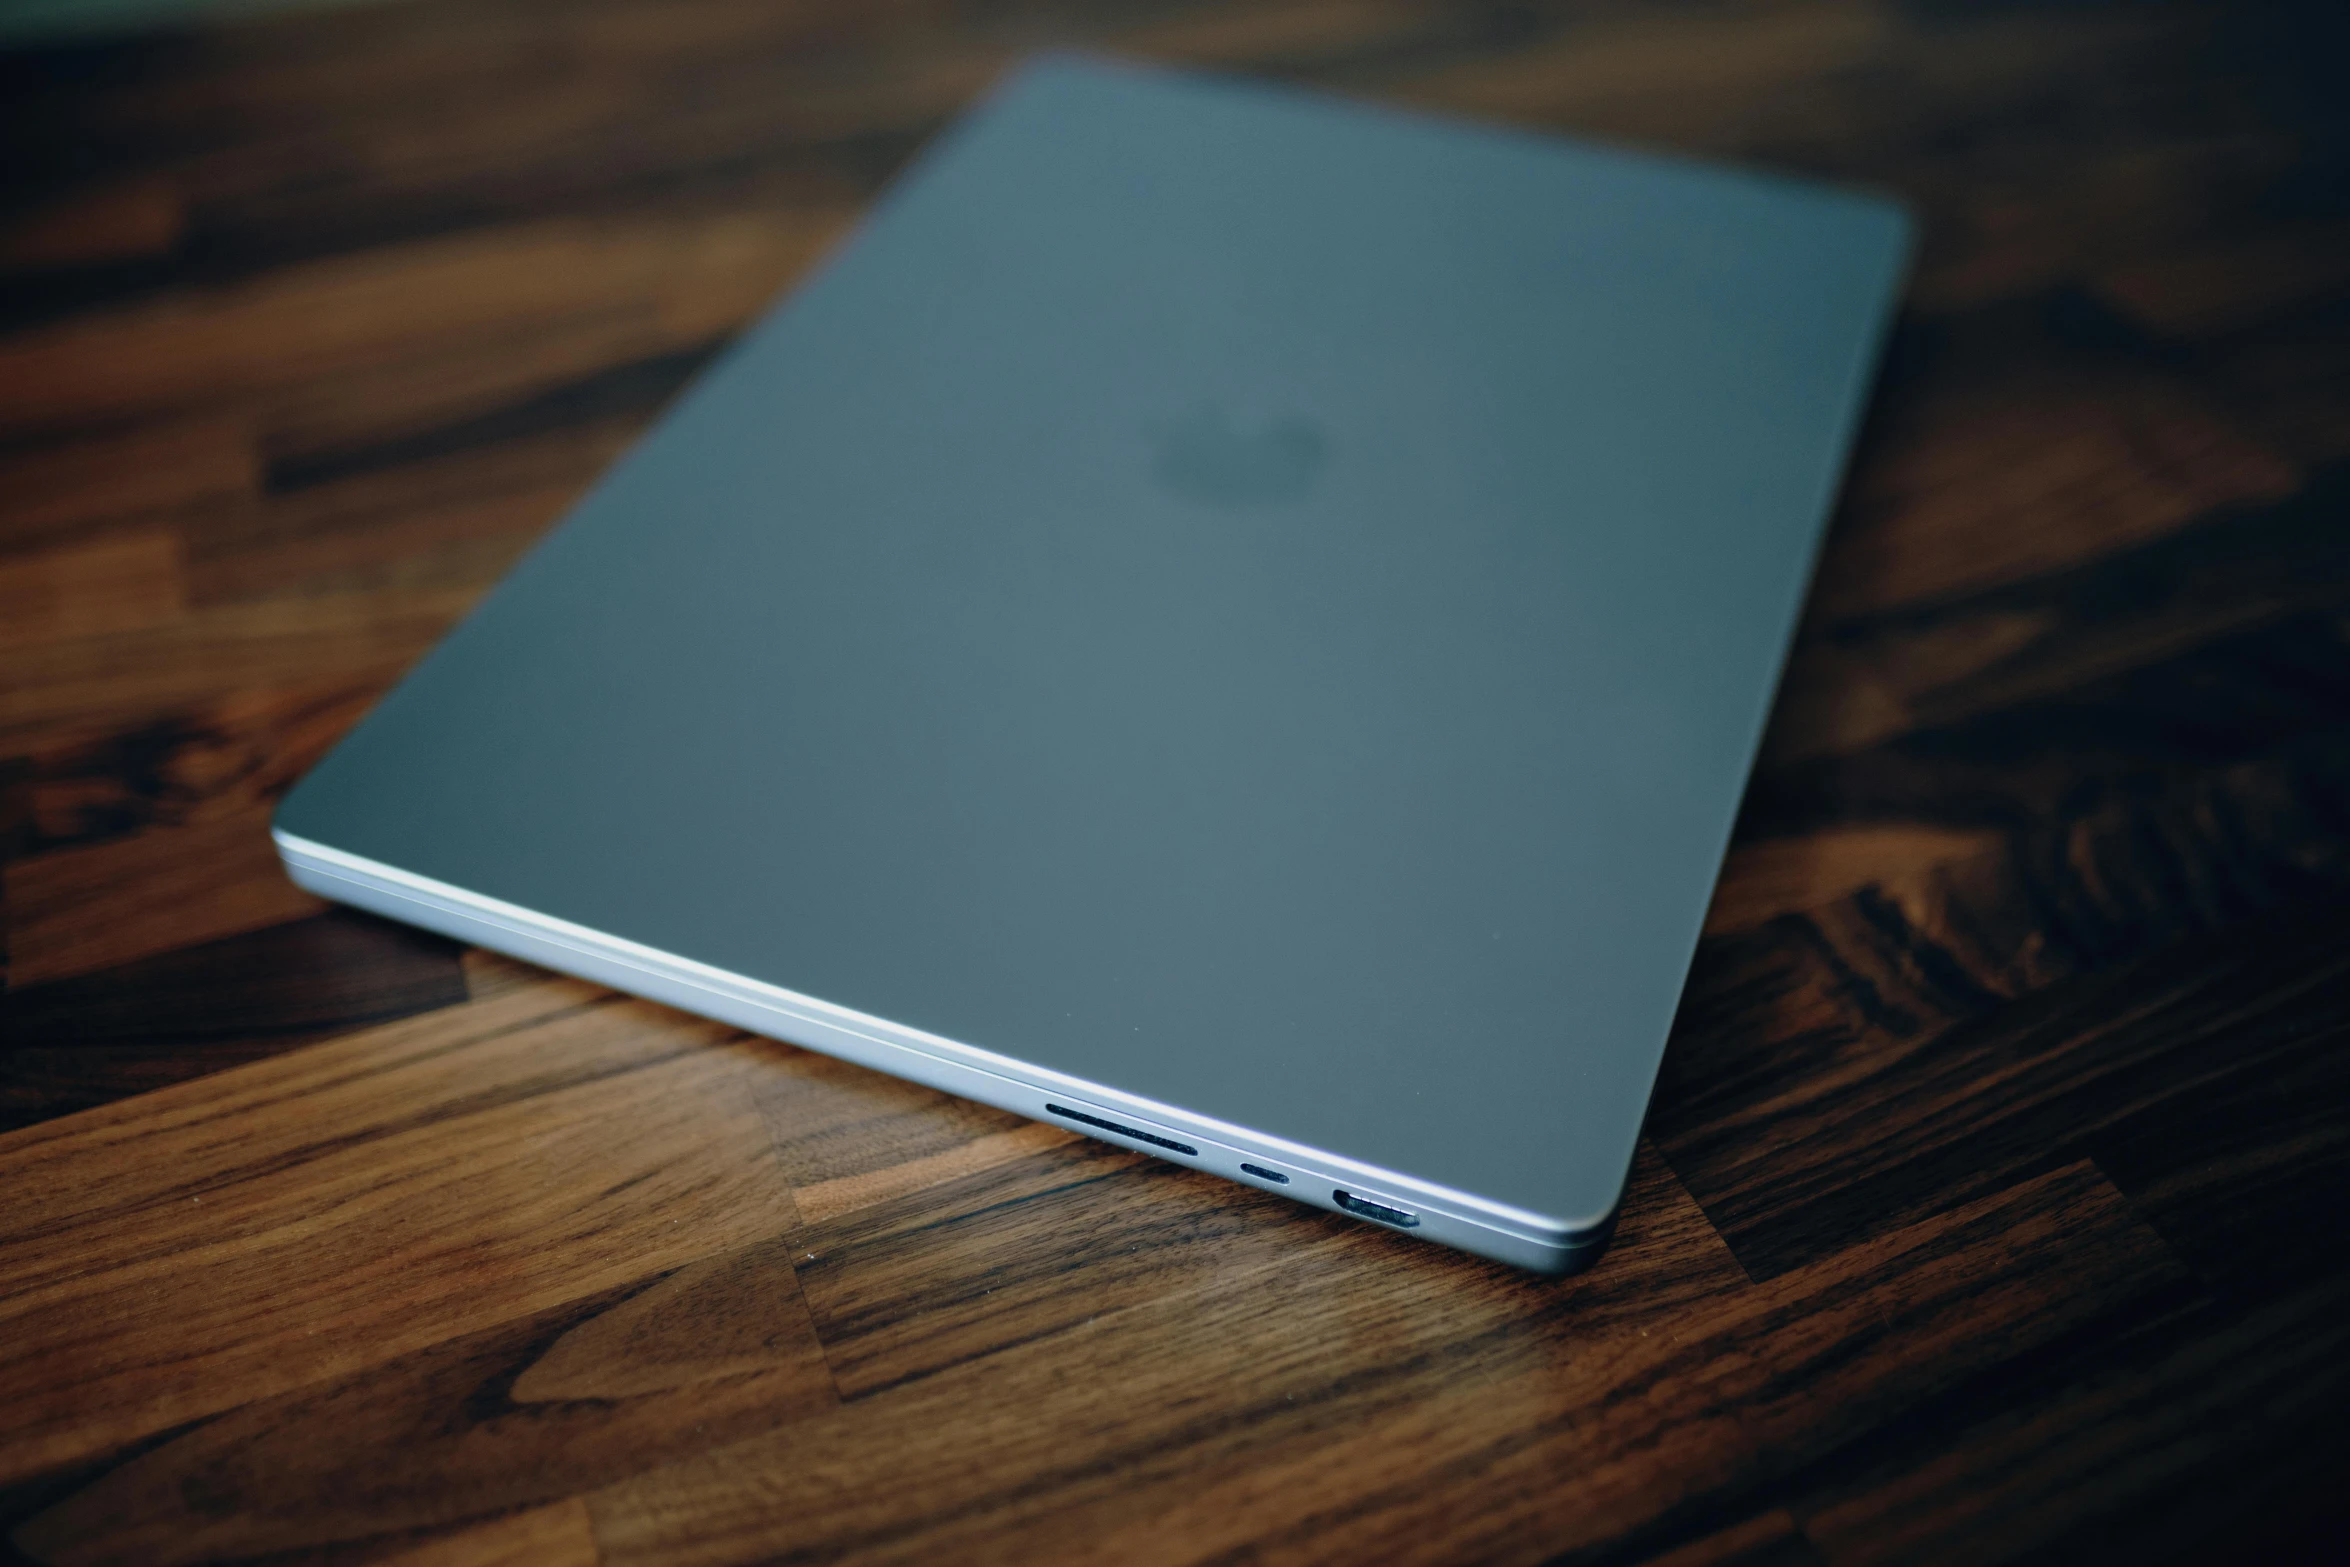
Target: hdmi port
(1376, 1210)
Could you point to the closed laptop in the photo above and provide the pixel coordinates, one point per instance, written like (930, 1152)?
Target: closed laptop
(1225, 619)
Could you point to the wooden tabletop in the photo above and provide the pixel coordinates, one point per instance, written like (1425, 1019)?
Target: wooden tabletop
(1991, 1208)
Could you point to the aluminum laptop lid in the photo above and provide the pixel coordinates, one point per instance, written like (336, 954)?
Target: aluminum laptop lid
(1245, 612)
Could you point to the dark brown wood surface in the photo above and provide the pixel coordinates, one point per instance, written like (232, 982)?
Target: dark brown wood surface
(1992, 1208)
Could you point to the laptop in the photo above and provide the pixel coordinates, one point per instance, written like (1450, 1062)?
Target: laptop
(1228, 620)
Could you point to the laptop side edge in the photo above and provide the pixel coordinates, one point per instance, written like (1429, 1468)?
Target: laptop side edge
(1318, 1177)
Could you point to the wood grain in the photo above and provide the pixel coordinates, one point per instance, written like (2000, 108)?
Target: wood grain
(75, 910)
(1404, 1392)
(557, 1535)
(475, 1203)
(124, 582)
(1988, 1207)
(155, 473)
(81, 1042)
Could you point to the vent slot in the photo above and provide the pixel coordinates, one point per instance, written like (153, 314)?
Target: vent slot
(1376, 1210)
(1139, 1136)
(1263, 1174)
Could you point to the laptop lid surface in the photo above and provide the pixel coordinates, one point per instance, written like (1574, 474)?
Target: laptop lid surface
(1256, 604)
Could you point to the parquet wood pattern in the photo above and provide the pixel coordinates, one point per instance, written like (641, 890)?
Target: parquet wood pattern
(1989, 1210)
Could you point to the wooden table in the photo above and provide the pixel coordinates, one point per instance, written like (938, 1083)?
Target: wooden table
(1992, 1204)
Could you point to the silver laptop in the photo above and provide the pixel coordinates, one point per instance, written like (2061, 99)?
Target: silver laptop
(1227, 620)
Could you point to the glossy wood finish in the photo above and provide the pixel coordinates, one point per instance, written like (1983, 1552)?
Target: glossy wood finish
(1991, 1205)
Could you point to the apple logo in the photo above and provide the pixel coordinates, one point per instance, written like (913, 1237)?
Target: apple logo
(1219, 460)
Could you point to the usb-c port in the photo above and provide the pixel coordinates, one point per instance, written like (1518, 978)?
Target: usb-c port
(1263, 1174)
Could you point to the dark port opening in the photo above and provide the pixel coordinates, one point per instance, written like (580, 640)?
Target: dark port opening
(1124, 1131)
(1263, 1174)
(1375, 1210)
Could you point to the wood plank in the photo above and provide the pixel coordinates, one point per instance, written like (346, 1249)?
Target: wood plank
(2230, 282)
(2194, 1428)
(703, 81)
(1971, 114)
(445, 550)
(62, 693)
(1858, 1128)
(126, 581)
(834, 1122)
(515, 1416)
(1320, 40)
(1770, 1539)
(220, 759)
(656, 284)
(903, 1290)
(750, 132)
(448, 523)
(152, 470)
(305, 1218)
(1763, 880)
(556, 1535)
(75, 1043)
(159, 1149)
(2013, 440)
(141, 217)
(1861, 682)
(1363, 1425)
(1681, 80)
(556, 424)
(1576, 1490)
(73, 911)
(2246, 1176)
(1362, 1287)
(845, 1194)
(2232, 701)
(419, 393)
